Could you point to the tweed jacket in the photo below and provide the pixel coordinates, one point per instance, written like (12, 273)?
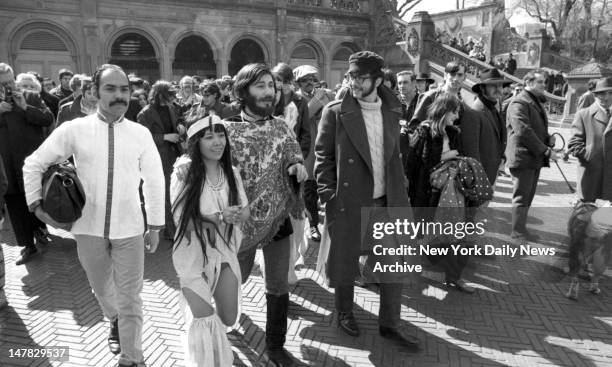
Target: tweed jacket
(591, 143)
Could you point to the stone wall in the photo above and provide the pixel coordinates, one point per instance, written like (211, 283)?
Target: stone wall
(89, 28)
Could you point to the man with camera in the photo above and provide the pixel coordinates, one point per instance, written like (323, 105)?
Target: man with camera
(23, 115)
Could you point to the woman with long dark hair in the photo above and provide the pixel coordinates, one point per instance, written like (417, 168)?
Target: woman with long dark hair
(436, 140)
(208, 206)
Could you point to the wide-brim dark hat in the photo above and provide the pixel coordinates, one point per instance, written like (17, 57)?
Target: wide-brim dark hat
(425, 76)
(491, 76)
(603, 85)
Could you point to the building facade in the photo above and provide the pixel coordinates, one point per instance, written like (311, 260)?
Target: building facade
(168, 39)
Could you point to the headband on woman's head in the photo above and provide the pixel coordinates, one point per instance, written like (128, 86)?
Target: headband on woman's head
(202, 124)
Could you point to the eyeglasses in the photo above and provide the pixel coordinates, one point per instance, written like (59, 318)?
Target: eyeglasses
(356, 77)
(307, 79)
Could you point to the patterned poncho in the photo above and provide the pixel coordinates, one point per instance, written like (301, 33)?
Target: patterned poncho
(263, 150)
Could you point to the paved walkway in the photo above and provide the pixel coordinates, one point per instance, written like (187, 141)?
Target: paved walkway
(518, 316)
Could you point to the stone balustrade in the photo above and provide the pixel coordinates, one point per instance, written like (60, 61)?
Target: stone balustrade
(343, 5)
(442, 54)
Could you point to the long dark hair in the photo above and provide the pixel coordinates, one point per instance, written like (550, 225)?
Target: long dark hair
(444, 103)
(189, 197)
(248, 75)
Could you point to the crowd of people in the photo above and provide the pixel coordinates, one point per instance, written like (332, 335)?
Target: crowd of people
(222, 167)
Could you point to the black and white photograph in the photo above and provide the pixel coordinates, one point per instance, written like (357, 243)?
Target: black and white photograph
(296, 183)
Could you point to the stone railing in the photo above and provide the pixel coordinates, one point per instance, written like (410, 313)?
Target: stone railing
(315, 3)
(344, 5)
(558, 62)
(443, 54)
(347, 5)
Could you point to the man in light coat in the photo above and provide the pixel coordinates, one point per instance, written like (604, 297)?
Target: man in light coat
(109, 234)
(358, 165)
(591, 143)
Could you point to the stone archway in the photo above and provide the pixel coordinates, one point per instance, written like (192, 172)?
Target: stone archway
(245, 51)
(44, 48)
(194, 56)
(305, 53)
(135, 53)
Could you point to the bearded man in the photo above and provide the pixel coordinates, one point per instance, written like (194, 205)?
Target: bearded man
(269, 158)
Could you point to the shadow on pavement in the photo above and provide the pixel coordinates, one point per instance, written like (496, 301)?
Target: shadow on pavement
(14, 335)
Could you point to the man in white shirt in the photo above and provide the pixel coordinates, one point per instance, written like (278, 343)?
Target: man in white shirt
(112, 155)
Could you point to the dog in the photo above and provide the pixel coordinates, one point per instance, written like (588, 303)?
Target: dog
(590, 232)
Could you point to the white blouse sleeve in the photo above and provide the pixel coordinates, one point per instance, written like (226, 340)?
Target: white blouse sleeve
(176, 187)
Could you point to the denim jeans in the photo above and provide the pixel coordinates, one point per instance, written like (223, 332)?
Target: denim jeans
(115, 269)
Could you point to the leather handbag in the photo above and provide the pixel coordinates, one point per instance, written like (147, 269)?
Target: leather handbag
(63, 197)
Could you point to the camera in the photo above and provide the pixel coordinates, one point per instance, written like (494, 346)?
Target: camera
(8, 93)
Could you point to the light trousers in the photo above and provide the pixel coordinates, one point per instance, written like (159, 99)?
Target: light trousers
(115, 269)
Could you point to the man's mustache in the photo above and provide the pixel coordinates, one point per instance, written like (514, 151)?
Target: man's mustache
(267, 99)
(118, 101)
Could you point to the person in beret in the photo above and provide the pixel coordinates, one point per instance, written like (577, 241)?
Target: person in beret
(307, 79)
(358, 165)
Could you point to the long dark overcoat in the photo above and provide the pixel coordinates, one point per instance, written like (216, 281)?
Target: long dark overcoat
(528, 137)
(21, 133)
(345, 178)
(168, 151)
(484, 137)
(591, 143)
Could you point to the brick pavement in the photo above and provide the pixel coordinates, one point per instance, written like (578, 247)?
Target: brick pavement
(518, 316)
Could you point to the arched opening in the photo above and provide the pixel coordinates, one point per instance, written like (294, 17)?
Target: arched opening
(43, 50)
(304, 54)
(135, 54)
(245, 51)
(340, 63)
(194, 56)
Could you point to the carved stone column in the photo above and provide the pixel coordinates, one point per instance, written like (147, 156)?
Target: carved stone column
(281, 32)
(92, 54)
(420, 33)
(222, 63)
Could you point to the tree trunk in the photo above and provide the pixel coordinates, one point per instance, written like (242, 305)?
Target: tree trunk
(599, 24)
(587, 33)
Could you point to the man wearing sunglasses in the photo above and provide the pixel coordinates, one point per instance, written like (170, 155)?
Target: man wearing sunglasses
(307, 78)
(358, 166)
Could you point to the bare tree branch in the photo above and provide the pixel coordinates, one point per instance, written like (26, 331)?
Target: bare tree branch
(407, 3)
(407, 6)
